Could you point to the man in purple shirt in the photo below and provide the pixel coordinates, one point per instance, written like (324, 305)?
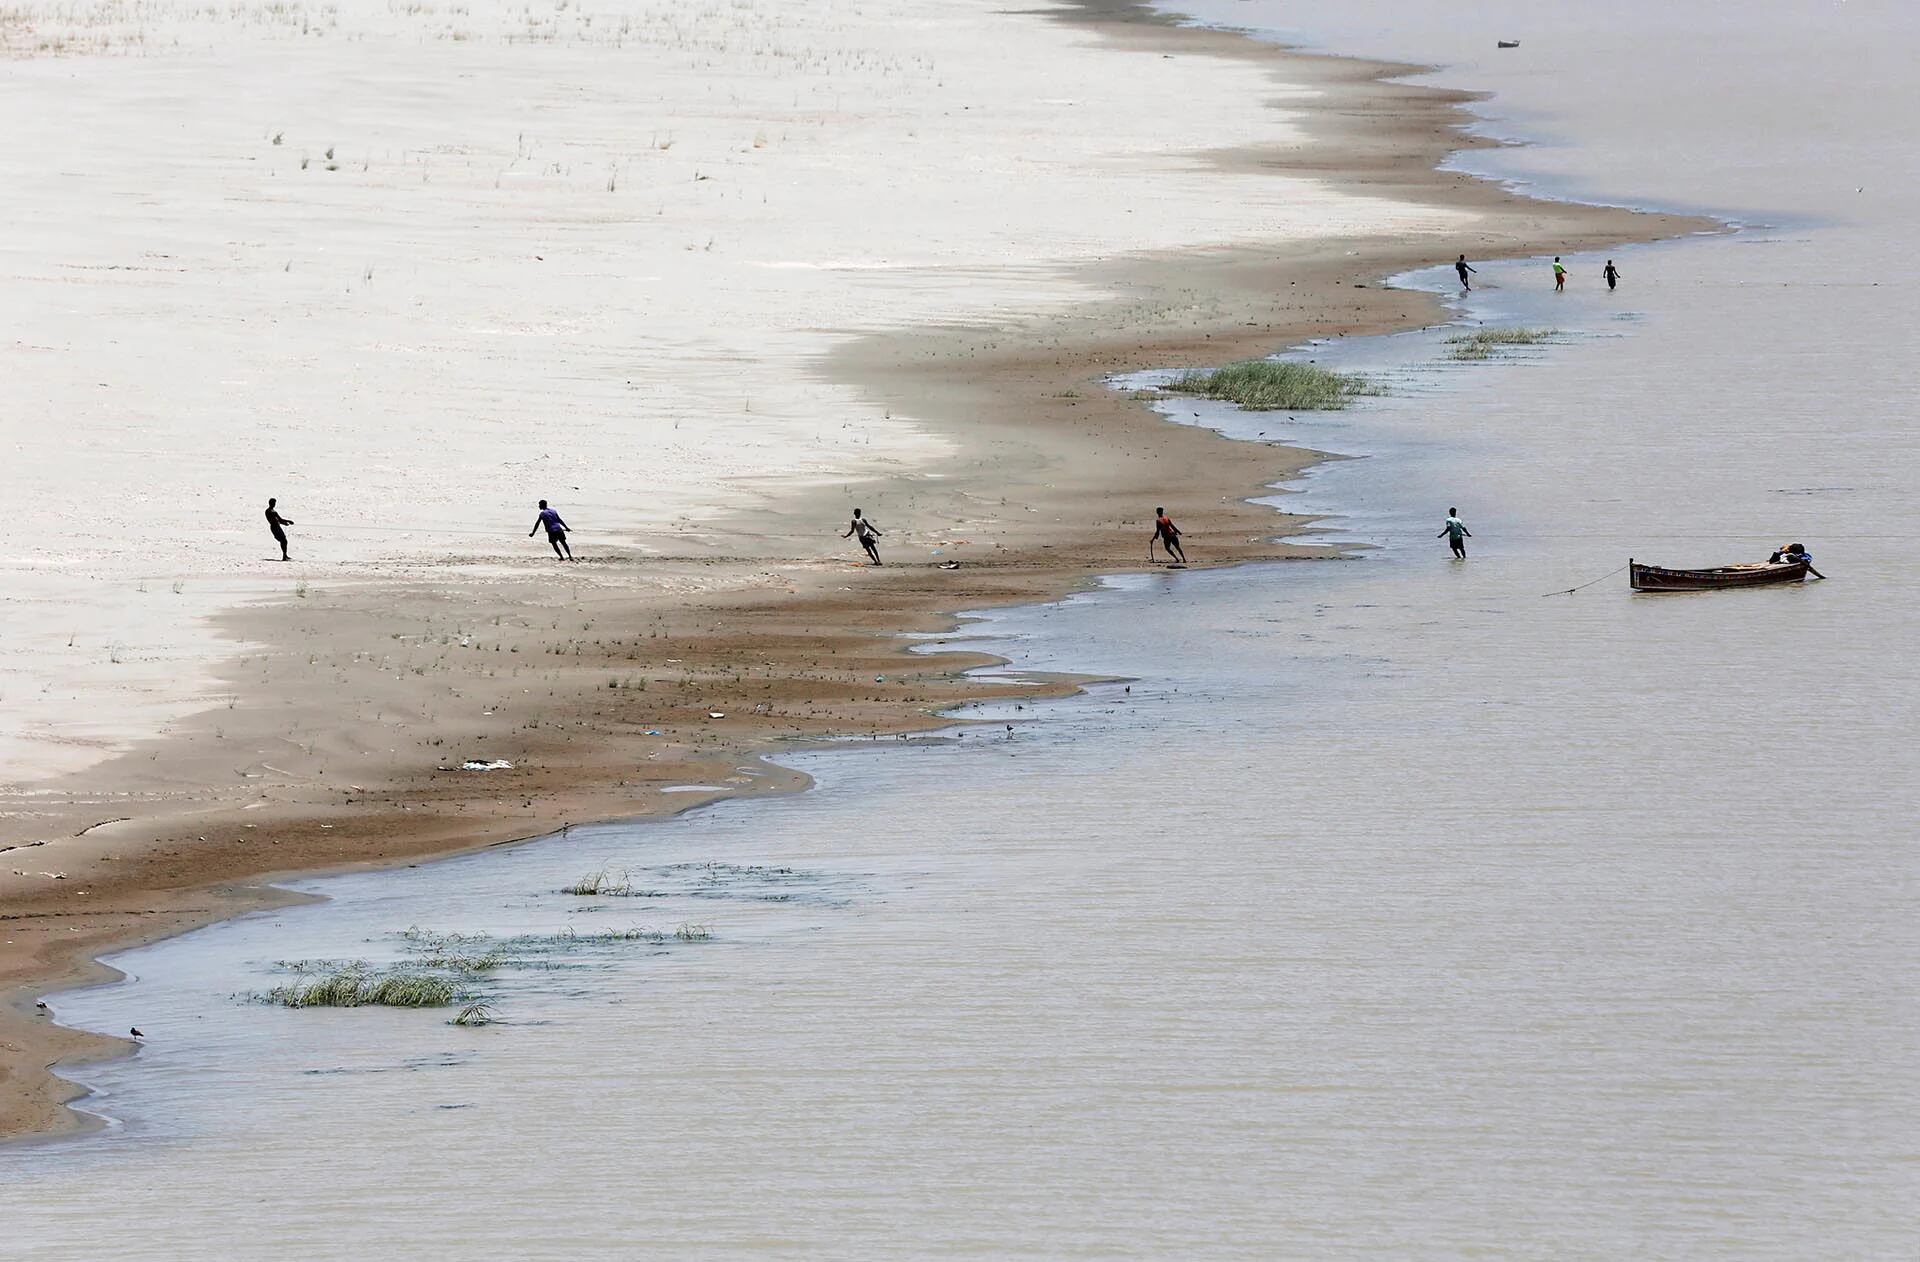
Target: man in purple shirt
(556, 531)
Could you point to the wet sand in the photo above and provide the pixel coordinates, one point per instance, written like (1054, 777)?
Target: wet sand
(349, 704)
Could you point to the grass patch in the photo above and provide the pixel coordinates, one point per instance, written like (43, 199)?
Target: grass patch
(465, 965)
(360, 988)
(444, 969)
(635, 934)
(463, 954)
(603, 882)
(520, 950)
(1274, 385)
(1485, 343)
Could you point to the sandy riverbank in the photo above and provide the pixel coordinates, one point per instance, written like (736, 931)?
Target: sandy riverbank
(923, 335)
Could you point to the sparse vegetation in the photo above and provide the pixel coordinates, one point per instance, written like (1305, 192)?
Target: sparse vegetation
(603, 882)
(462, 954)
(635, 934)
(1483, 343)
(1273, 385)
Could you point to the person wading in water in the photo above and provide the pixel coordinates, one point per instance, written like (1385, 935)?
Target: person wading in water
(868, 532)
(1559, 275)
(1168, 535)
(1612, 274)
(276, 523)
(1460, 266)
(556, 531)
(1457, 533)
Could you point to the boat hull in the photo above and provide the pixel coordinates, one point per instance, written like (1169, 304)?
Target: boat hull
(1654, 578)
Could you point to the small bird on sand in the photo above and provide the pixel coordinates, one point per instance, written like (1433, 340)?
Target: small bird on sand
(40, 1004)
(135, 1031)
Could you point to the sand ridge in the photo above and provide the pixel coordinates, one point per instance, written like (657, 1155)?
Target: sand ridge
(343, 709)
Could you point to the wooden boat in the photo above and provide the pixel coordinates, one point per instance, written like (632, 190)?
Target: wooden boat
(1653, 578)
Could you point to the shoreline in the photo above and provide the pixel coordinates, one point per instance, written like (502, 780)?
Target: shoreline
(1024, 429)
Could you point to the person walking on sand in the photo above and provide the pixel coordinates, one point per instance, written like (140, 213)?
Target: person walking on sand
(1612, 274)
(1457, 533)
(1460, 266)
(1559, 275)
(556, 531)
(277, 524)
(868, 532)
(1167, 535)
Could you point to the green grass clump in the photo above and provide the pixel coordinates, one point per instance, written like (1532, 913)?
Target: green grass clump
(1482, 343)
(1273, 385)
(478, 1013)
(466, 965)
(359, 988)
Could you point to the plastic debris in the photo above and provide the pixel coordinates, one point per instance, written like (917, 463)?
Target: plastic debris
(486, 764)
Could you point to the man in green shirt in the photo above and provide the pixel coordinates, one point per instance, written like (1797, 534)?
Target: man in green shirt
(1457, 533)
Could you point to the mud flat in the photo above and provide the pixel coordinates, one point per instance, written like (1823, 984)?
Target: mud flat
(703, 279)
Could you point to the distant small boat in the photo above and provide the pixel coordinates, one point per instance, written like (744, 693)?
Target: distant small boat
(1653, 578)
(1507, 43)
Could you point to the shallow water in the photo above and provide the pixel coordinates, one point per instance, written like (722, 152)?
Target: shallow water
(1398, 909)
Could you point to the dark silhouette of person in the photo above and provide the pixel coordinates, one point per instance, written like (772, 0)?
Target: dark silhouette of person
(868, 532)
(1168, 535)
(1457, 533)
(1794, 554)
(1612, 274)
(556, 531)
(1461, 266)
(277, 524)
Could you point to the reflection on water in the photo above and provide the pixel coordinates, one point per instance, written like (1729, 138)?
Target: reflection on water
(1394, 908)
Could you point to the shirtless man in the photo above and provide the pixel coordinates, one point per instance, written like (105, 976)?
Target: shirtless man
(276, 523)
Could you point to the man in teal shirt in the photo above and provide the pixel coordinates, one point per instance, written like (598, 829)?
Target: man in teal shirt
(1456, 532)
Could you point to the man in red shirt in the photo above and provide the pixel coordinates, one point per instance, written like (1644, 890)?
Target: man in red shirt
(1168, 534)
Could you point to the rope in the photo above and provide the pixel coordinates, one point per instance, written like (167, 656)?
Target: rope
(1603, 578)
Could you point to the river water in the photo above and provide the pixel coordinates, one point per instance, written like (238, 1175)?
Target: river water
(1394, 909)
